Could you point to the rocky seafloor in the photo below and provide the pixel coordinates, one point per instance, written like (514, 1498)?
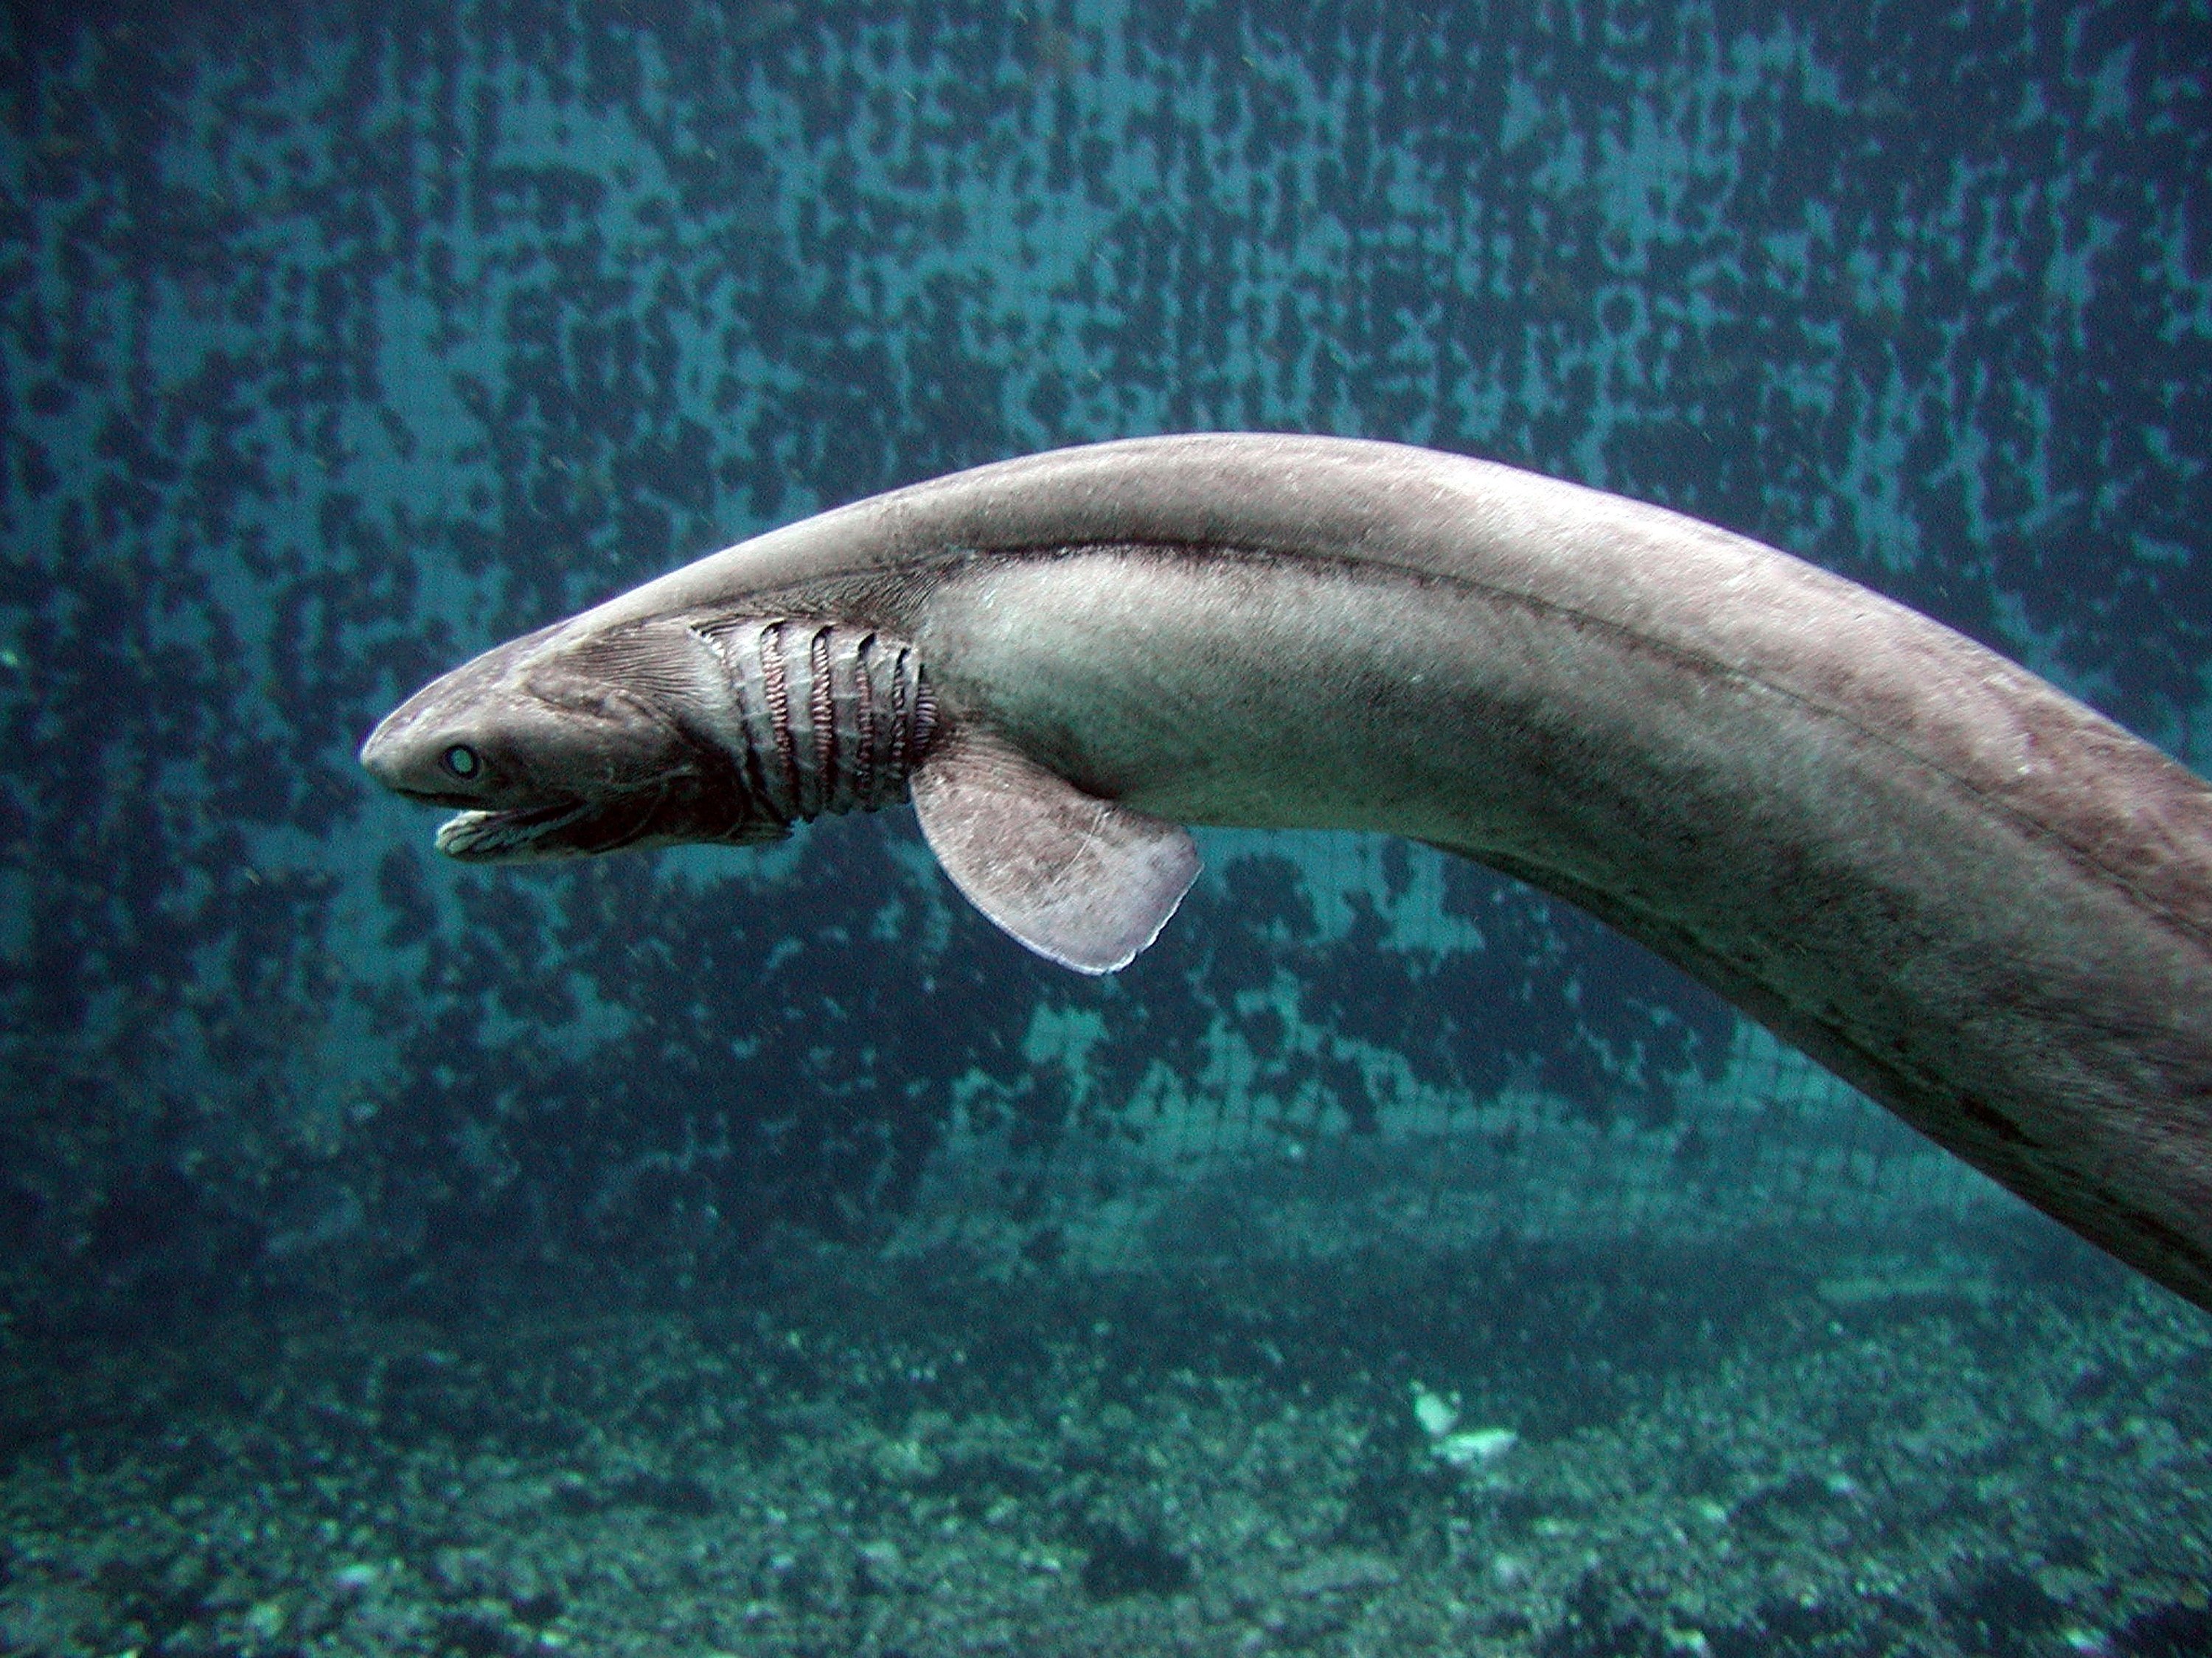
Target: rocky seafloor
(403, 1260)
(1735, 1450)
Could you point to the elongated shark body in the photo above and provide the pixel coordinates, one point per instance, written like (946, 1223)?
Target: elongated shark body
(1958, 888)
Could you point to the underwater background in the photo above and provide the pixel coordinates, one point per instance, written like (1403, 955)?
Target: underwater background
(722, 1252)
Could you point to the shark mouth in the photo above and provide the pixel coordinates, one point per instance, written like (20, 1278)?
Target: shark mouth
(512, 836)
(659, 815)
(566, 828)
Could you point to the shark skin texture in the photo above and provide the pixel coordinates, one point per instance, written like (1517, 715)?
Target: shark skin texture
(1960, 889)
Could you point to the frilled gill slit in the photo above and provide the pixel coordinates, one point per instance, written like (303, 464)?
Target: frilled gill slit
(829, 718)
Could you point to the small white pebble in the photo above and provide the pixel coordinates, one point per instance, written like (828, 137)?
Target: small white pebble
(265, 1619)
(1437, 1415)
(1472, 1446)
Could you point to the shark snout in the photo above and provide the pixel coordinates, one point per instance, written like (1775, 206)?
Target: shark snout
(375, 754)
(402, 753)
(384, 753)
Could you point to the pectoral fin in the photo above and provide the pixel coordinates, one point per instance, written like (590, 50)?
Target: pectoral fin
(1079, 880)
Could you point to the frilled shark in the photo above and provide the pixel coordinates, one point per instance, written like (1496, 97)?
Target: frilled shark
(1956, 887)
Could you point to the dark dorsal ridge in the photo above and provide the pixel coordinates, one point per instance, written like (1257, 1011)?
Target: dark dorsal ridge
(829, 719)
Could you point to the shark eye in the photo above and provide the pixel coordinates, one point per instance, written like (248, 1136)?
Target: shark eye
(462, 761)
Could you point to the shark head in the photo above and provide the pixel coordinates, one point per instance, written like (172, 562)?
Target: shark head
(578, 740)
(562, 745)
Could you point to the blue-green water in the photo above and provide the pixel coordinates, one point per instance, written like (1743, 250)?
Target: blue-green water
(758, 1253)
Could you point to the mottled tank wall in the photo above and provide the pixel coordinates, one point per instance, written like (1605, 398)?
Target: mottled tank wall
(341, 342)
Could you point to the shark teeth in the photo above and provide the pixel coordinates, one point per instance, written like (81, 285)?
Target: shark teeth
(508, 836)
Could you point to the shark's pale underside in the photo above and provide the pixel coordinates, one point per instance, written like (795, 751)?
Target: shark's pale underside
(1960, 889)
